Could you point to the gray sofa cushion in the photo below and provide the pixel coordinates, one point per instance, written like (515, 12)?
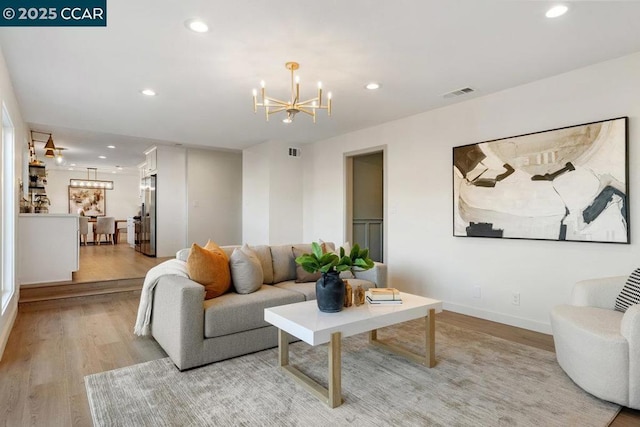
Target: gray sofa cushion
(229, 249)
(231, 313)
(308, 289)
(284, 266)
(263, 252)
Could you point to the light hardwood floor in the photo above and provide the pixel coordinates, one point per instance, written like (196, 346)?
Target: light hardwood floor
(112, 262)
(54, 344)
(103, 269)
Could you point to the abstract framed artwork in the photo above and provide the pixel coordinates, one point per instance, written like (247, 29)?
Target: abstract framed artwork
(567, 184)
(90, 200)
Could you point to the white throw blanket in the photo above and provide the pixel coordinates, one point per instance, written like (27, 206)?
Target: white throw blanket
(172, 267)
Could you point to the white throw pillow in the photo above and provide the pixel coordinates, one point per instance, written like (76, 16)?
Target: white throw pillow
(246, 270)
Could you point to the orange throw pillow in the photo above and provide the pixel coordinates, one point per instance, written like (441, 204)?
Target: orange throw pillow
(209, 266)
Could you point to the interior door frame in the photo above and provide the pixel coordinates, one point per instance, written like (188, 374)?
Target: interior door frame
(348, 193)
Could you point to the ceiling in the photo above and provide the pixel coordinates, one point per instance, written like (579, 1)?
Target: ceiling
(83, 84)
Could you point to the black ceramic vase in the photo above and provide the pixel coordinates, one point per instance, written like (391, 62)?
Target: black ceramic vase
(330, 292)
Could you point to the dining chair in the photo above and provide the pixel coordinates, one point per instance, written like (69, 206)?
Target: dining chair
(84, 229)
(105, 225)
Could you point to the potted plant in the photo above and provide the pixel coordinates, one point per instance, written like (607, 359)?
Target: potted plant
(329, 287)
(357, 260)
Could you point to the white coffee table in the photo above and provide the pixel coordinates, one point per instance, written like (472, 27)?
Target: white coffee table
(303, 320)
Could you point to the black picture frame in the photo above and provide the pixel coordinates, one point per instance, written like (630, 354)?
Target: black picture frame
(564, 184)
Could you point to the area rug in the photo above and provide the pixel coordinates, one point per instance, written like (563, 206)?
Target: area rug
(479, 380)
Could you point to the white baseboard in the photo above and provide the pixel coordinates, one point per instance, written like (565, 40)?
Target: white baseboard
(12, 312)
(519, 322)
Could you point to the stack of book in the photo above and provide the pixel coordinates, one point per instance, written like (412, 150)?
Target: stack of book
(383, 296)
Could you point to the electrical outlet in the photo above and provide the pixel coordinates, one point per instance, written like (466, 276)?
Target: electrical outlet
(477, 292)
(515, 298)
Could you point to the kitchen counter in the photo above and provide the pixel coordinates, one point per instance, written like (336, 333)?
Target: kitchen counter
(49, 247)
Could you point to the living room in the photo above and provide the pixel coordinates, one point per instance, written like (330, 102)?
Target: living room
(302, 199)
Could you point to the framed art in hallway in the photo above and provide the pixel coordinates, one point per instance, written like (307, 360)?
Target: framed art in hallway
(91, 200)
(566, 184)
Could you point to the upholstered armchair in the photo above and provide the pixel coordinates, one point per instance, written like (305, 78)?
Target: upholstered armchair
(105, 225)
(84, 228)
(598, 347)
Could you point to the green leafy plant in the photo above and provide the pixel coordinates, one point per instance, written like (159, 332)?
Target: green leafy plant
(357, 260)
(317, 261)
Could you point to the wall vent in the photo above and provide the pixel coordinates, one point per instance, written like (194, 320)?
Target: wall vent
(459, 92)
(294, 152)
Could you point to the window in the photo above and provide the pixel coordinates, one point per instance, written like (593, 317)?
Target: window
(7, 208)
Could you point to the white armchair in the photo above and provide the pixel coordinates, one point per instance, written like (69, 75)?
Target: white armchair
(598, 347)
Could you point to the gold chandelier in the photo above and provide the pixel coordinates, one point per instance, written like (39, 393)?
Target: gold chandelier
(294, 105)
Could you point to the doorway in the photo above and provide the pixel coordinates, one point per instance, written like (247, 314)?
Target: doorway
(366, 201)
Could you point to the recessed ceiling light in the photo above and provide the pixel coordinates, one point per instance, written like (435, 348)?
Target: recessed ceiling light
(197, 25)
(111, 146)
(70, 169)
(73, 164)
(556, 11)
(372, 86)
(102, 157)
(148, 92)
(119, 168)
(113, 171)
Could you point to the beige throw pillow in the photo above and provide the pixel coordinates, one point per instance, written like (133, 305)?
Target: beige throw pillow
(301, 275)
(246, 270)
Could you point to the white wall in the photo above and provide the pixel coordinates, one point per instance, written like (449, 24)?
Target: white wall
(8, 99)
(214, 193)
(255, 194)
(121, 202)
(171, 200)
(272, 194)
(422, 255)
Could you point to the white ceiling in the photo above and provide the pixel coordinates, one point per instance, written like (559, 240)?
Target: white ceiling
(83, 83)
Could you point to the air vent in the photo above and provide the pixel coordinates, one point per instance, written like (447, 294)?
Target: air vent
(459, 92)
(294, 152)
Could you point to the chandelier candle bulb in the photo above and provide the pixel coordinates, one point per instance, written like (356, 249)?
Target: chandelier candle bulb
(255, 101)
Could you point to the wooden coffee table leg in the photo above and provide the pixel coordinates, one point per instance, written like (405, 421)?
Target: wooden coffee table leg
(335, 370)
(430, 336)
(428, 358)
(283, 347)
(332, 395)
